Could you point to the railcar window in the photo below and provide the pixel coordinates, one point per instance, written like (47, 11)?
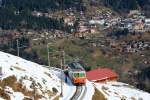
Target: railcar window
(76, 74)
(81, 75)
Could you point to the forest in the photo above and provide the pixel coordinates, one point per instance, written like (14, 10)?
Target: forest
(124, 6)
(16, 14)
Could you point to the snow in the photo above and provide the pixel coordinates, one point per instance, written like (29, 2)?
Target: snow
(118, 90)
(68, 90)
(90, 91)
(28, 72)
(31, 70)
(27, 83)
(14, 95)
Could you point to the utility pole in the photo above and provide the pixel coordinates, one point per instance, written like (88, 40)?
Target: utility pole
(62, 64)
(17, 47)
(34, 90)
(0, 70)
(63, 57)
(48, 56)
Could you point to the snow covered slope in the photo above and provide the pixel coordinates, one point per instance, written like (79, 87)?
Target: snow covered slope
(22, 79)
(121, 91)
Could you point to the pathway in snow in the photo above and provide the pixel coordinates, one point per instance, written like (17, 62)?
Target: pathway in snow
(68, 90)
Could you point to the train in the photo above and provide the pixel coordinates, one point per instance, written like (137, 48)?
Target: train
(76, 73)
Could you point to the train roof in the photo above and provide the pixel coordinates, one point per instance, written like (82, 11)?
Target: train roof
(75, 66)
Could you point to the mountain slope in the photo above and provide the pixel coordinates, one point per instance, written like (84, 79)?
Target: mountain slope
(22, 79)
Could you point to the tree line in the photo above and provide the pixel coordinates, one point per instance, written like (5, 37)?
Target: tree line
(17, 14)
(42, 5)
(8, 20)
(124, 6)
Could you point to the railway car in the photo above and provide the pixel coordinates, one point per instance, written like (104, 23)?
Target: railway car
(76, 73)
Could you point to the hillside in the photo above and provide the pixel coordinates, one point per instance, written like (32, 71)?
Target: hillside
(18, 14)
(22, 79)
(25, 80)
(124, 6)
(41, 5)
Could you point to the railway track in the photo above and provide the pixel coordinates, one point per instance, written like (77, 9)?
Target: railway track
(79, 93)
(80, 90)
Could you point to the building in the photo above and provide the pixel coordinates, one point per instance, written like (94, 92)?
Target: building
(138, 26)
(134, 13)
(94, 22)
(101, 75)
(147, 23)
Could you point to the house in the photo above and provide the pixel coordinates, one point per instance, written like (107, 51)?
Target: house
(101, 75)
(37, 14)
(101, 22)
(147, 22)
(138, 25)
(134, 13)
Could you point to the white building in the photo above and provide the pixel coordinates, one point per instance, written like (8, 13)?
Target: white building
(101, 22)
(147, 21)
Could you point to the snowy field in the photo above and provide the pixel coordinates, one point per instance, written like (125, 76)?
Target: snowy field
(28, 73)
(118, 91)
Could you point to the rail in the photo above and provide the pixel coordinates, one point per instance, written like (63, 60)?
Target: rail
(79, 93)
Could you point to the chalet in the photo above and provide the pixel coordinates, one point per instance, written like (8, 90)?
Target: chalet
(101, 75)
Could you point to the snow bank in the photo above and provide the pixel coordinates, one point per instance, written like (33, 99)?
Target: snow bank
(118, 90)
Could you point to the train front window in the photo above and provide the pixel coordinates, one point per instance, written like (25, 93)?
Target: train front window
(81, 75)
(76, 74)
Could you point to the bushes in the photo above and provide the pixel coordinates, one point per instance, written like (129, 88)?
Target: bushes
(9, 81)
(87, 68)
(54, 90)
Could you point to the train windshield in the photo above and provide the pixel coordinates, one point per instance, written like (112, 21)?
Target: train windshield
(79, 75)
(76, 74)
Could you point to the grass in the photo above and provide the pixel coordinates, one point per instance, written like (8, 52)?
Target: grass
(98, 95)
(76, 49)
(41, 51)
